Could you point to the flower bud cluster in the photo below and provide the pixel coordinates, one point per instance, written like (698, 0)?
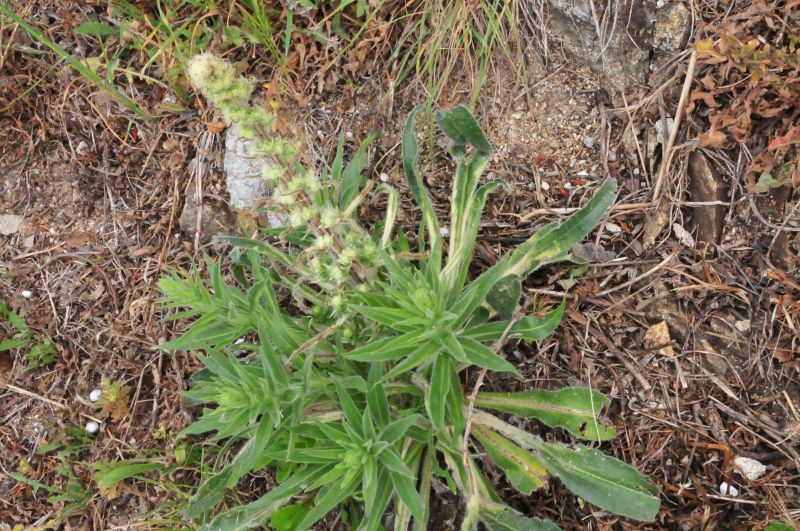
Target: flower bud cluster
(342, 250)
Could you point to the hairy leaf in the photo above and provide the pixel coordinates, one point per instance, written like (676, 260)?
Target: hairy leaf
(574, 408)
(523, 470)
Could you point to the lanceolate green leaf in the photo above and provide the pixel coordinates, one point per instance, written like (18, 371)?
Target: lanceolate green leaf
(575, 409)
(410, 155)
(352, 180)
(504, 296)
(482, 356)
(552, 243)
(523, 470)
(498, 517)
(529, 327)
(436, 402)
(599, 479)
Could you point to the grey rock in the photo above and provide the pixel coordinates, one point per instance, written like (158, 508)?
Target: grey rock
(243, 178)
(10, 224)
(706, 184)
(631, 31)
(242, 171)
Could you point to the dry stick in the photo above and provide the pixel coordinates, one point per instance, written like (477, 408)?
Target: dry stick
(659, 184)
(474, 395)
(673, 134)
(643, 275)
(316, 339)
(59, 405)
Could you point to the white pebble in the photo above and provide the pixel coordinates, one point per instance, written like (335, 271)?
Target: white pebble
(92, 426)
(742, 326)
(588, 142)
(27, 293)
(444, 231)
(545, 186)
(750, 468)
(349, 135)
(728, 490)
(613, 228)
(660, 4)
(94, 396)
(384, 177)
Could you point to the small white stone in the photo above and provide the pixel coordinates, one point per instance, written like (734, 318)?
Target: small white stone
(384, 177)
(444, 231)
(27, 293)
(588, 142)
(569, 186)
(743, 325)
(660, 4)
(349, 135)
(613, 228)
(750, 468)
(728, 490)
(94, 396)
(92, 427)
(545, 186)
(239, 341)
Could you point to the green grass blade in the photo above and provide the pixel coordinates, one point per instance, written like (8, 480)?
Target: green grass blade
(75, 63)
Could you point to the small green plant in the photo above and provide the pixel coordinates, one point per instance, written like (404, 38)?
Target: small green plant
(40, 351)
(70, 492)
(359, 343)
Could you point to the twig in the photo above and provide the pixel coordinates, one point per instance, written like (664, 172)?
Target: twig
(643, 275)
(316, 339)
(25, 392)
(474, 395)
(673, 134)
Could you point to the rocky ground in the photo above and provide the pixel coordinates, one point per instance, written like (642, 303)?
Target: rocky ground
(687, 317)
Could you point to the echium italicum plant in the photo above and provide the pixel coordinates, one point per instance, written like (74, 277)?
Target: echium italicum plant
(357, 344)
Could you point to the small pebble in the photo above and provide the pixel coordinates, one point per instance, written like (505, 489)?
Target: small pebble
(545, 186)
(743, 325)
(588, 142)
(27, 293)
(94, 396)
(92, 427)
(728, 490)
(349, 135)
(660, 4)
(750, 468)
(444, 231)
(384, 177)
(613, 228)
